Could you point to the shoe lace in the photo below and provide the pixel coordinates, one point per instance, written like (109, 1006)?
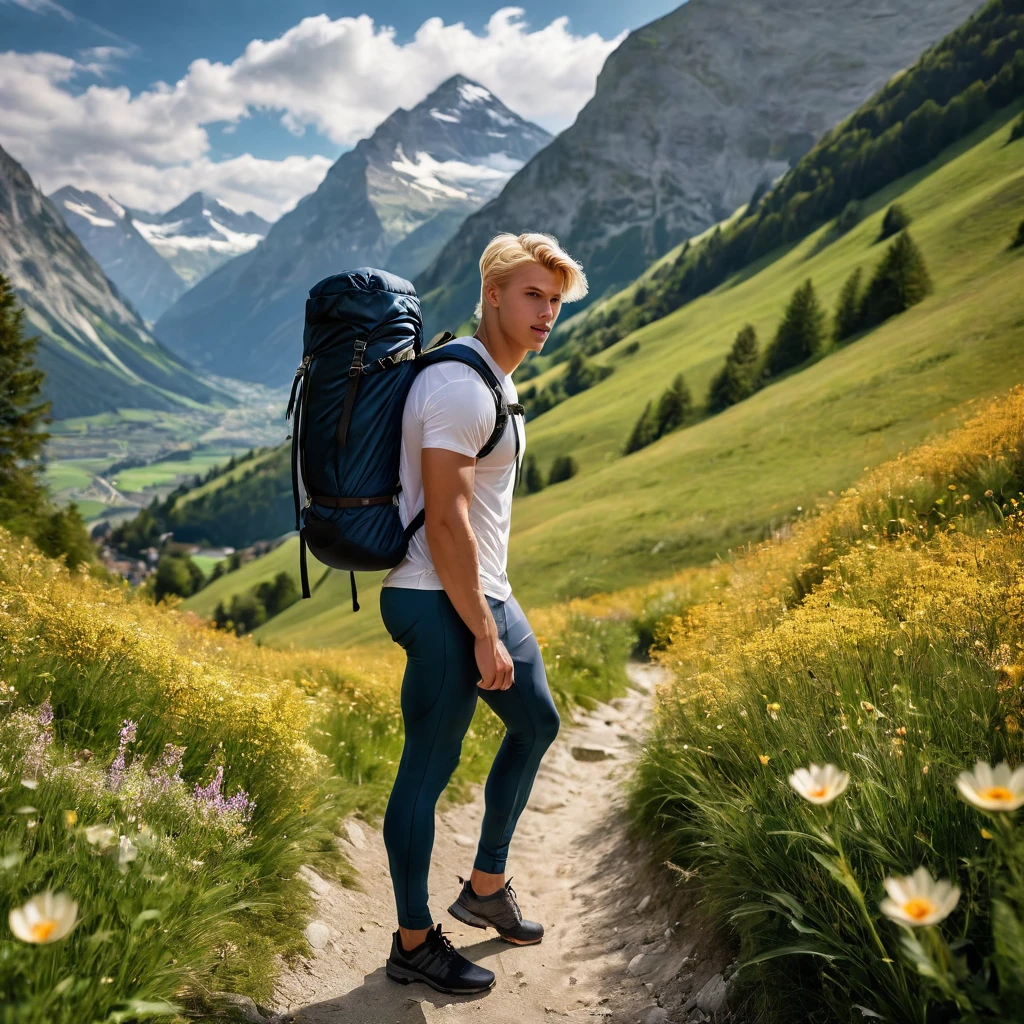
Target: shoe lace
(444, 945)
(512, 897)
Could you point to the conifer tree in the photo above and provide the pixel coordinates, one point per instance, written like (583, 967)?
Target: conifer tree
(645, 430)
(22, 492)
(562, 468)
(738, 378)
(801, 333)
(846, 321)
(900, 281)
(894, 221)
(674, 406)
(533, 480)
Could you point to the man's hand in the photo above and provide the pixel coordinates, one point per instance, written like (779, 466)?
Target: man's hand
(494, 662)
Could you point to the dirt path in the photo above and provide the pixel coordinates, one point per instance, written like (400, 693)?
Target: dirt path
(618, 945)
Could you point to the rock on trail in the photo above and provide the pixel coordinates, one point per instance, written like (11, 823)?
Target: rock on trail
(622, 943)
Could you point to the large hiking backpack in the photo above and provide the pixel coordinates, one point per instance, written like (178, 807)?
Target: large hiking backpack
(361, 348)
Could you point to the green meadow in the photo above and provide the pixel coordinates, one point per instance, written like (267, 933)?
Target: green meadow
(732, 478)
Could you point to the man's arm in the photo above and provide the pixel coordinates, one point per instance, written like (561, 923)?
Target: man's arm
(447, 494)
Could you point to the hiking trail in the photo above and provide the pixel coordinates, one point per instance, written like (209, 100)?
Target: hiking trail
(621, 944)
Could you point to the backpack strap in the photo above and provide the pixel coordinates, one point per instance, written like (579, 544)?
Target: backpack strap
(503, 409)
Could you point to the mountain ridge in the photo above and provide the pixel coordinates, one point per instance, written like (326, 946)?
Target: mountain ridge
(751, 89)
(397, 195)
(94, 347)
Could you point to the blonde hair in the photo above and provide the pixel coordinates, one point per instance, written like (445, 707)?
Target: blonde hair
(507, 252)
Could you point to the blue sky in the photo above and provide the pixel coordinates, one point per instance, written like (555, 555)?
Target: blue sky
(82, 102)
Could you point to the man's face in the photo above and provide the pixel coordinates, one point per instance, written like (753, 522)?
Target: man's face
(528, 304)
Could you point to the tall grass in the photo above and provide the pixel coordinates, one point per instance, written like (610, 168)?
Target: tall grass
(171, 779)
(884, 635)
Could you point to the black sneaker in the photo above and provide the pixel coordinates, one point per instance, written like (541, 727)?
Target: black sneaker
(499, 910)
(437, 962)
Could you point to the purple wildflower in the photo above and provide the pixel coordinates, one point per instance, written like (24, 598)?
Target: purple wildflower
(167, 770)
(45, 713)
(212, 801)
(116, 771)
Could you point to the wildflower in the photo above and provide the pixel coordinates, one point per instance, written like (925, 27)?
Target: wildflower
(919, 899)
(44, 714)
(100, 835)
(212, 801)
(70, 818)
(116, 771)
(901, 731)
(993, 788)
(773, 710)
(126, 851)
(764, 758)
(46, 918)
(867, 706)
(819, 785)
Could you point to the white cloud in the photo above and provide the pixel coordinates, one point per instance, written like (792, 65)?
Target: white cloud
(341, 77)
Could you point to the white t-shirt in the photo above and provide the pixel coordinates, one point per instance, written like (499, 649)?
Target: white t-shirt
(450, 406)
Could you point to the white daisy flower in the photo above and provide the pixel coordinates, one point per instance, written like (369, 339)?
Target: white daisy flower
(919, 899)
(820, 784)
(46, 917)
(993, 788)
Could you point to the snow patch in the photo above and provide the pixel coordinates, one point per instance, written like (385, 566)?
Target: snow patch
(452, 118)
(89, 214)
(116, 207)
(474, 93)
(453, 179)
(498, 135)
(501, 118)
(166, 240)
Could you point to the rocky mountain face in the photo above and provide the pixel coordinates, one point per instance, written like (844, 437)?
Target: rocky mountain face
(391, 202)
(94, 346)
(200, 234)
(689, 115)
(107, 231)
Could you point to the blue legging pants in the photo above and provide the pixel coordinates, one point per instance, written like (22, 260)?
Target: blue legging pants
(439, 695)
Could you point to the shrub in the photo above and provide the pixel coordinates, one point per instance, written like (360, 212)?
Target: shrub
(562, 468)
(800, 335)
(176, 574)
(250, 610)
(1019, 239)
(894, 221)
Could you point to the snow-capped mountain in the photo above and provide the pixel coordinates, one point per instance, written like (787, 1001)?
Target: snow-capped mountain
(391, 202)
(104, 227)
(95, 348)
(200, 234)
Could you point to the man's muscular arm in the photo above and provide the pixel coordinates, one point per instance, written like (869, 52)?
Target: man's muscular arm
(447, 495)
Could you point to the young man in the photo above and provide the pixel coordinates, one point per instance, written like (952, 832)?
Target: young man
(449, 604)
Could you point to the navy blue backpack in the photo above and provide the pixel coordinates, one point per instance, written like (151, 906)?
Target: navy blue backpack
(362, 345)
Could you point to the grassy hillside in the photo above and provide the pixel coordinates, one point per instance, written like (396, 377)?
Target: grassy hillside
(699, 491)
(883, 637)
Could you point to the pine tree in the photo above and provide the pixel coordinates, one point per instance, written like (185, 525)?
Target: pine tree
(533, 480)
(562, 468)
(738, 378)
(645, 431)
(894, 221)
(900, 281)
(846, 321)
(22, 492)
(801, 333)
(674, 406)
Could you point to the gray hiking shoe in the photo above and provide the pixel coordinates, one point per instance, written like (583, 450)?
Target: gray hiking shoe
(499, 910)
(438, 963)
